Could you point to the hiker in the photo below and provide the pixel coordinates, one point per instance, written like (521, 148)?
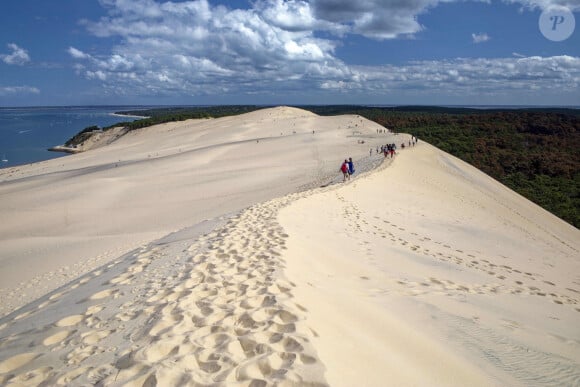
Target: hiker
(344, 170)
(350, 167)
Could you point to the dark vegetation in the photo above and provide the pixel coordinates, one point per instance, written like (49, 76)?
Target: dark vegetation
(170, 114)
(535, 152)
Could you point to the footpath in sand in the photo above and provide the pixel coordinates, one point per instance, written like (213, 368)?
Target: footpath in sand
(428, 272)
(65, 217)
(200, 297)
(422, 272)
(190, 309)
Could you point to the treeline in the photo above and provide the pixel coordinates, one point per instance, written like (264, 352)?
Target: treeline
(535, 152)
(163, 115)
(171, 114)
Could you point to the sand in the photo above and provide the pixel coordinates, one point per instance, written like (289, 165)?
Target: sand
(446, 276)
(65, 217)
(229, 252)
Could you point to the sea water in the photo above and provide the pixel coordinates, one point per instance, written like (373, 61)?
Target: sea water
(27, 133)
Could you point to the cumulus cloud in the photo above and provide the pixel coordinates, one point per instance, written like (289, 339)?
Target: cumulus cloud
(295, 15)
(18, 56)
(189, 46)
(480, 38)
(192, 48)
(573, 5)
(478, 76)
(77, 54)
(379, 19)
(17, 90)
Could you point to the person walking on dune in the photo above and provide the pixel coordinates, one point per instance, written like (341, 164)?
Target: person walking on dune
(344, 170)
(350, 167)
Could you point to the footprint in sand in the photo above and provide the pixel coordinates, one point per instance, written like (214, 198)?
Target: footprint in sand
(68, 377)
(123, 279)
(93, 337)
(23, 315)
(82, 353)
(56, 338)
(17, 361)
(70, 320)
(91, 310)
(104, 294)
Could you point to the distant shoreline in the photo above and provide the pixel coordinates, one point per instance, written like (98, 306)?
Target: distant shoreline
(145, 107)
(64, 149)
(128, 115)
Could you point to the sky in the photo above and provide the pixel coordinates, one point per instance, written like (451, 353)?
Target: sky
(269, 52)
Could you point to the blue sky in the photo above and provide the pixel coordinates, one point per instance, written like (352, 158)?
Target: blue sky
(434, 52)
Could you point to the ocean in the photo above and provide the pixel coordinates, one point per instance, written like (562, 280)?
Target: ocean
(26, 133)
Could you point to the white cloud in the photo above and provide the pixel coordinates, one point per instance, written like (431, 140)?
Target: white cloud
(573, 5)
(480, 38)
(18, 90)
(190, 48)
(19, 56)
(191, 45)
(100, 75)
(77, 54)
(379, 19)
(472, 77)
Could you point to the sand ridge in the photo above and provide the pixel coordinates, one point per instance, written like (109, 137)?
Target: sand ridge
(68, 216)
(425, 256)
(218, 311)
(208, 304)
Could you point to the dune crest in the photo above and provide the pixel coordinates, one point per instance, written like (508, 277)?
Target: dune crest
(63, 218)
(447, 276)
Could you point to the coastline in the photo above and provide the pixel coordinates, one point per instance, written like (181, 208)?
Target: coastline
(64, 149)
(129, 115)
(28, 132)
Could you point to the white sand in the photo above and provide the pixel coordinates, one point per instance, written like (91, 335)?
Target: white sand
(424, 272)
(64, 217)
(429, 272)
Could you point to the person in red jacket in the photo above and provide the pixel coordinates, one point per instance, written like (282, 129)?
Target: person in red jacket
(344, 170)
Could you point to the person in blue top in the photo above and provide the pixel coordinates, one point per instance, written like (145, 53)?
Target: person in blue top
(350, 166)
(344, 170)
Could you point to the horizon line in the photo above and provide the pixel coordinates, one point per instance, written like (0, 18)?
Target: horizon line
(466, 106)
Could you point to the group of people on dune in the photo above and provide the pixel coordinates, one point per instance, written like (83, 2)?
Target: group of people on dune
(347, 167)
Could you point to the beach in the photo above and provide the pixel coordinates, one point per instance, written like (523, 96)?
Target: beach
(229, 252)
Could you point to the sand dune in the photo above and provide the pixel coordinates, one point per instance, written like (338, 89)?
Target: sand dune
(65, 217)
(446, 276)
(193, 254)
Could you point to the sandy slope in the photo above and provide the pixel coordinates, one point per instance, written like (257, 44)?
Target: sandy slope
(423, 272)
(431, 273)
(64, 217)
